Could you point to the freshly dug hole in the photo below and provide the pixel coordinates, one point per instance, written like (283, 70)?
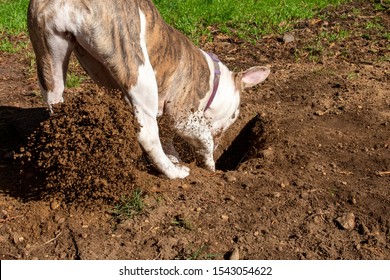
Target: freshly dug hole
(248, 144)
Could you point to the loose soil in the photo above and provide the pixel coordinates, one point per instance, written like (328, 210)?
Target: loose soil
(303, 174)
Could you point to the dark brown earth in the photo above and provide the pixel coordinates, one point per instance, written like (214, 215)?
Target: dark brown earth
(303, 174)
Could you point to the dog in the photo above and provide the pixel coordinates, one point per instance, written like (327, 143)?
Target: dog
(126, 45)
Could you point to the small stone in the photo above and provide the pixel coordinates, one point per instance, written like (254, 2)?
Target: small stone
(347, 221)
(276, 195)
(198, 209)
(17, 238)
(319, 113)
(256, 233)
(235, 255)
(285, 184)
(288, 38)
(184, 186)
(224, 217)
(54, 205)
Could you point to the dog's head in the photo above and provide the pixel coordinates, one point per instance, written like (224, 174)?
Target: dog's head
(226, 106)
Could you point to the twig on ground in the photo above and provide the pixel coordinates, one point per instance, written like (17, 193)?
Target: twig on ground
(51, 240)
(383, 173)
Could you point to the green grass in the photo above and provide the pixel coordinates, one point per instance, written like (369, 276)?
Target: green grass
(13, 16)
(74, 80)
(128, 207)
(12, 22)
(249, 19)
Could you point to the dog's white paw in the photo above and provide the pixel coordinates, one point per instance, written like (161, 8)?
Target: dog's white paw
(178, 172)
(209, 164)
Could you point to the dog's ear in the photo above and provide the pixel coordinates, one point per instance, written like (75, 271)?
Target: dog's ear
(253, 76)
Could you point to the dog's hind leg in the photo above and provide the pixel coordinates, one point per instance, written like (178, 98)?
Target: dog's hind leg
(52, 50)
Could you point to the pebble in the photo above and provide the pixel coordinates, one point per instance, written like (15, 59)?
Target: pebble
(284, 184)
(54, 205)
(347, 221)
(18, 238)
(184, 186)
(276, 195)
(288, 38)
(224, 217)
(235, 255)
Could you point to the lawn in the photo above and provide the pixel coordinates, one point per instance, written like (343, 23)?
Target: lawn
(247, 18)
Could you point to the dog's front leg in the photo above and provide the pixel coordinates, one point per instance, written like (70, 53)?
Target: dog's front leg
(149, 139)
(144, 99)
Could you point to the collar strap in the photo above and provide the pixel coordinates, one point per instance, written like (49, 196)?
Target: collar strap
(217, 75)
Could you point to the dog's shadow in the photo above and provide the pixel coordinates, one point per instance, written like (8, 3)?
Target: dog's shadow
(16, 124)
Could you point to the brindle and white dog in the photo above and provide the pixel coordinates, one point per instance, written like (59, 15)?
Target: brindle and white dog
(126, 45)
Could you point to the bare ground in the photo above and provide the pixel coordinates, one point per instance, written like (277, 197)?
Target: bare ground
(303, 174)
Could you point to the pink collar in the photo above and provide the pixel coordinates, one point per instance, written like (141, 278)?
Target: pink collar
(217, 75)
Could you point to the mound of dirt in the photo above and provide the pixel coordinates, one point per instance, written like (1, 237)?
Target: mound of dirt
(87, 149)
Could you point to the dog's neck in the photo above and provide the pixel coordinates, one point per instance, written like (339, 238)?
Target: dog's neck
(217, 75)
